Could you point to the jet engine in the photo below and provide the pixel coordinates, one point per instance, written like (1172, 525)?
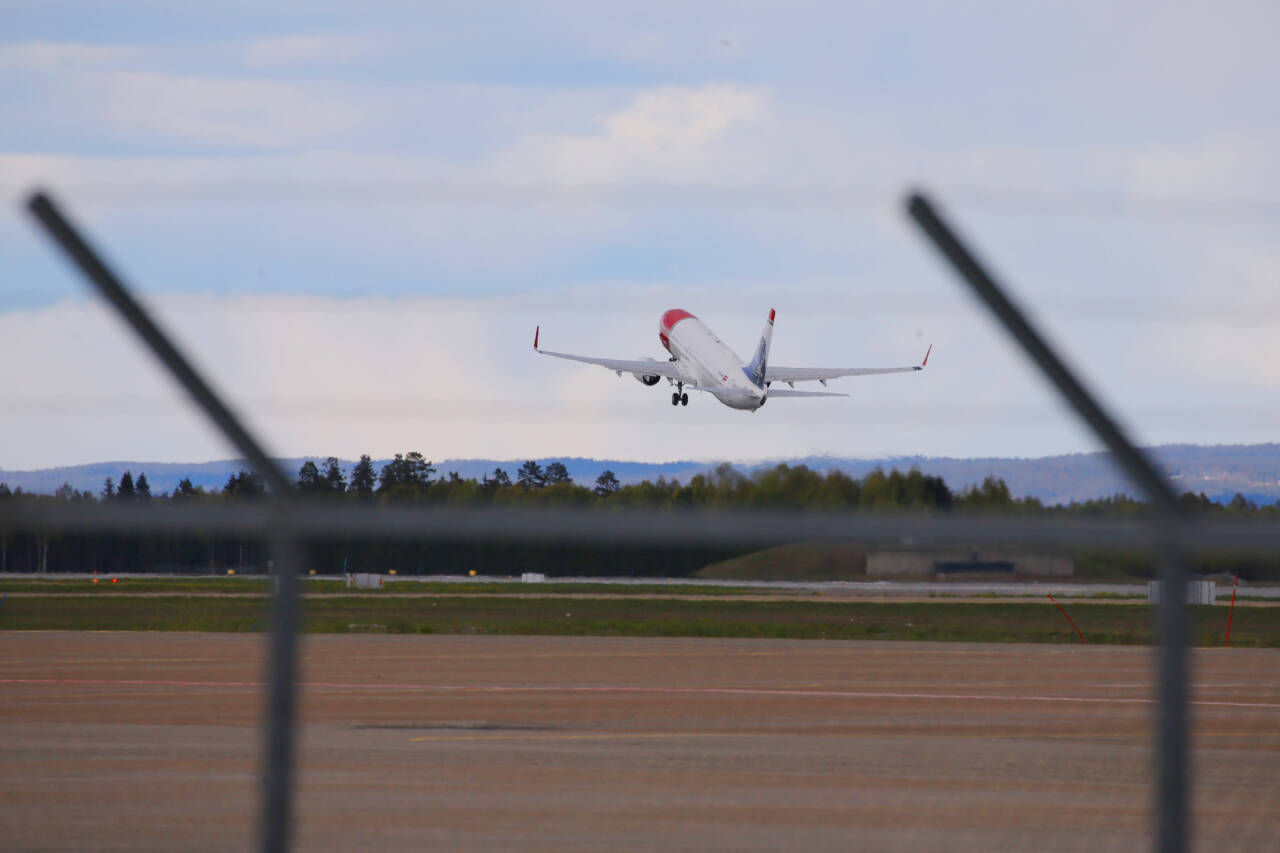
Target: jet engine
(647, 378)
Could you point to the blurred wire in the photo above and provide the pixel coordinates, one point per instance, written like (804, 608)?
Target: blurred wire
(692, 528)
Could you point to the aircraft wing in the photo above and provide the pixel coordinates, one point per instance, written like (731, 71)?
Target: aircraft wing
(640, 367)
(822, 374)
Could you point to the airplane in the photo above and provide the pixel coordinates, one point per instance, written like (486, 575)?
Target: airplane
(701, 361)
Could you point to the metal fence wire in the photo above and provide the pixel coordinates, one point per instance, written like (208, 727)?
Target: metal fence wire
(286, 522)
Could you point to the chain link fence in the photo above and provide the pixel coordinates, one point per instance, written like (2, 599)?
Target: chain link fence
(287, 523)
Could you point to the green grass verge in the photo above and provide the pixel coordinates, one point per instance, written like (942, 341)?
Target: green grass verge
(133, 585)
(797, 562)
(940, 621)
(323, 586)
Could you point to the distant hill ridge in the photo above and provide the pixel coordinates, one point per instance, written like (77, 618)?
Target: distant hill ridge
(1220, 471)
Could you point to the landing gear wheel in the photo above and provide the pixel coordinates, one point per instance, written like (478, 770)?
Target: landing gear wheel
(675, 399)
(684, 399)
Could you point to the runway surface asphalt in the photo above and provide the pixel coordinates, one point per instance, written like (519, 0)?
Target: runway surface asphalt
(147, 741)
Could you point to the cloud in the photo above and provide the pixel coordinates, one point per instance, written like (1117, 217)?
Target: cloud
(307, 50)
(50, 56)
(208, 112)
(670, 133)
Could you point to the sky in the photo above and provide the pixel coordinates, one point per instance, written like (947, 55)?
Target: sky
(352, 216)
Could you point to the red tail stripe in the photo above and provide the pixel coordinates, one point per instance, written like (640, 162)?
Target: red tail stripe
(675, 315)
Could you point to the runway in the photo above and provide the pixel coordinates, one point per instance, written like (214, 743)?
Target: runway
(128, 741)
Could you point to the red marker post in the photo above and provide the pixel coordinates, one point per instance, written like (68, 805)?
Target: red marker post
(1069, 619)
(1232, 611)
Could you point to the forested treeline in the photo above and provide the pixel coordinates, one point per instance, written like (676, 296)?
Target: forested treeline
(412, 479)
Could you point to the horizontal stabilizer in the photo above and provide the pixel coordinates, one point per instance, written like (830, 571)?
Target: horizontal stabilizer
(822, 374)
(784, 393)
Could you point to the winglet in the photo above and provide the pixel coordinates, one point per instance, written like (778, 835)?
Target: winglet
(926, 356)
(537, 330)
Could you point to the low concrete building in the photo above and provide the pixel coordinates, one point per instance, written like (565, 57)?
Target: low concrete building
(364, 580)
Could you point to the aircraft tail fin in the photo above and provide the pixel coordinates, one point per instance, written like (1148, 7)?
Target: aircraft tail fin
(759, 363)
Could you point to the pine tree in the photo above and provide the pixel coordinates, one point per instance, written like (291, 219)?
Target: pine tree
(417, 471)
(607, 484)
(144, 488)
(243, 485)
(309, 481)
(363, 479)
(337, 484)
(556, 474)
(392, 474)
(108, 489)
(531, 476)
(126, 491)
(499, 480)
(185, 489)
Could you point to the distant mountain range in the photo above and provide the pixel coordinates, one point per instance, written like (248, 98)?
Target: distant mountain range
(1220, 471)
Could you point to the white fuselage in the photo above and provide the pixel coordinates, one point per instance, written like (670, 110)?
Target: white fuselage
(707, 363)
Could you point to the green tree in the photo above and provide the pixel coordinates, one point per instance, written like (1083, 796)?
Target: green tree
(407, 475)
(144, 488)
(126, 491)
(309, 481)
(392, 474)
(337, 484)
(417, 471)
(185, 489)
(531, 476)
(1241, 504)
(108, 489)
(363, 479)
(555, 474)
(607, 484)
(500, 480)
(992, 494)
(244, 486)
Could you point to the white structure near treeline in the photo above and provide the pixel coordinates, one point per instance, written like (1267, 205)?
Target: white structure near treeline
(364, 580)
(1198, 592)
(533, 577)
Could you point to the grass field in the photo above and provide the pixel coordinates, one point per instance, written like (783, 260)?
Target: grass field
(882, 620)
(262, 586)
